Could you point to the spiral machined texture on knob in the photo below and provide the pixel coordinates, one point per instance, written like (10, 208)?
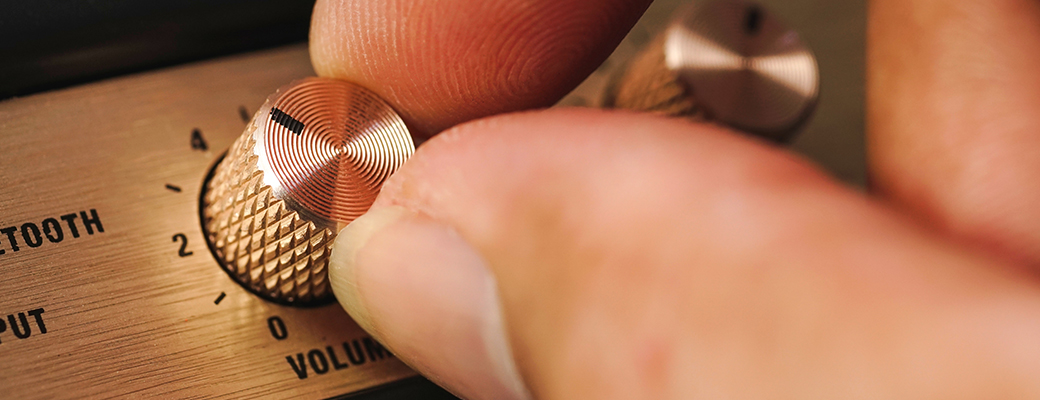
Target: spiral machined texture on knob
(312, 160)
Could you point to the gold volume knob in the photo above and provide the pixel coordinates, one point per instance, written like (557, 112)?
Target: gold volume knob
(311, 161)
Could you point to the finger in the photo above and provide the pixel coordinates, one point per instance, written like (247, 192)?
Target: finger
(954, 132)
(637, 257)
(432, 298)
(442, 62)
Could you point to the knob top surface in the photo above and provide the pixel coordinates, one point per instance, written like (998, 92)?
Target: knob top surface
(328, 145)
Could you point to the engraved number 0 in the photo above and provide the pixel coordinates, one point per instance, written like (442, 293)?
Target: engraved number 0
(183, 251)
(277, 327)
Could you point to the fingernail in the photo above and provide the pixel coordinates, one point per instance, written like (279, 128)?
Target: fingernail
(342, 267)
(422, 290)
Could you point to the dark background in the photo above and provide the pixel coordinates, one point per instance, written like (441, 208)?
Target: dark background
(49, 44)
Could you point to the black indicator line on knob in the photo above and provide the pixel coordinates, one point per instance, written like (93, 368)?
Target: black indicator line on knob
(243, 113)
(173, 188)
(287, 121)
(753, 20)
(219, 298)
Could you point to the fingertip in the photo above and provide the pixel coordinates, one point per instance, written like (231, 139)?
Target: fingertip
(343, 275)
(442, 62)
(422, 291)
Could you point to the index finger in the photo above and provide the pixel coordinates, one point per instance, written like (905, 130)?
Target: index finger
(952, 135)
(442, 62)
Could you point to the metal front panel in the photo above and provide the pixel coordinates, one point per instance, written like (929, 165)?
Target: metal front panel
(126, 314)
(134, 309)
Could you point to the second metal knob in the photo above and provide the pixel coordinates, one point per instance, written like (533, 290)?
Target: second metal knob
(729, 61)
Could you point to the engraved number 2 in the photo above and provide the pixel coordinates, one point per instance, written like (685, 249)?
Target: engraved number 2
(183, 251)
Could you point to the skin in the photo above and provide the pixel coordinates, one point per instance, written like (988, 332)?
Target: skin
(636, 256)
(952, 119)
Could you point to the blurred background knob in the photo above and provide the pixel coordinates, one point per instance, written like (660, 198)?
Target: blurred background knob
(729, 61)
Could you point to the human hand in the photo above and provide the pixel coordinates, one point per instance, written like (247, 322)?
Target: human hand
(602, 254)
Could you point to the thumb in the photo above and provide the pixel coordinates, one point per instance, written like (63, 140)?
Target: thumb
(423, 270)
(419, 288)
(593, 254)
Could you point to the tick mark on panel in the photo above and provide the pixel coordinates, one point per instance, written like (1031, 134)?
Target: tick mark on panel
(219, 298)
(243, 113)
(173, 188)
